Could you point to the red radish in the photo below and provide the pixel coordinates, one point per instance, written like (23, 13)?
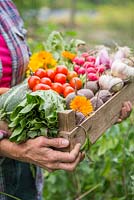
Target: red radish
(91, 70)
(81, 70)
(92, 77)
(101, 68)
(85, 54)
(76, 68)
(91, 59)
(79, 60)
(88, 64)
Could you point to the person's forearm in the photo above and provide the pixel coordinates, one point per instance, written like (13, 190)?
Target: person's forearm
(9, 149)
(38, 151)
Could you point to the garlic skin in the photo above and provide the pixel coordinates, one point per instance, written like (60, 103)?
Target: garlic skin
(122, 70)
(103, 57)
(104, 81)
(123, 52)
(111, 83)
(116, 84)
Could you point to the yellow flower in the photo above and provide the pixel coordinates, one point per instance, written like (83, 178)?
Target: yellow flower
(68, 55)
(81, 104)
(42, 59)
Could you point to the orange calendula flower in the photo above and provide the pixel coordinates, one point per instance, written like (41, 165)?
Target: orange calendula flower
(42, 59)
(68, 55)
(81, 104)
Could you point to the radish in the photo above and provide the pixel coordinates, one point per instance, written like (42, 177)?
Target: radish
(91, 70)
(79, 60)
(91, 59)
(76, 68)
(88, 64)
(92, 77)
(101, 68)
(81, 70)
(85, 54)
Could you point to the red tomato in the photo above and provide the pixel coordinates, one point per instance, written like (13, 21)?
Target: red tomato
(57, 87)
(32, 81)
(71, 74)
(40, 73)
(50, 73)
(41, 86)
(46, 81)
(68, 90)
(61, 69)
(60, 78)
(65, 85)
(76, 83)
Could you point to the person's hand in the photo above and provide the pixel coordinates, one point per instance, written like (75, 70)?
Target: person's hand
(125, 111)
(4, 127)
(39, 151)
(3, 90)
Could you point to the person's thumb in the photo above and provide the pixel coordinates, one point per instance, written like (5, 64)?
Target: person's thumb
(56, 142)
(3, 90)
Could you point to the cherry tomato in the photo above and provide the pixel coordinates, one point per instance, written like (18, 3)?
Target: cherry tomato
(76, 83)
(32, 81)
(41, 86)
(65, 85)
(40, 73)
(50, 73)
(60, 78)
(61, 69)
(68, 90)
(46, 81)
(71, 74)
(57, 87)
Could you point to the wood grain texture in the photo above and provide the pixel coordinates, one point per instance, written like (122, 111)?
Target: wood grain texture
(99, 121)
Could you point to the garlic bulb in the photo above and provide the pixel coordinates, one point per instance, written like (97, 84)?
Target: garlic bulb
(122, 70)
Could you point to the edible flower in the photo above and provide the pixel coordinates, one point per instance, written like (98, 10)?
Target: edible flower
(81, 104)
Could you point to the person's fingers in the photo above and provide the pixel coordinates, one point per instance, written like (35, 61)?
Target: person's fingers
(82, 156)
(3, 90)
(124, 113)
(66, 156)
(119, 120)
(66, 166)
(54, 142)
(127, 106)
(130, 104)
(126, 110)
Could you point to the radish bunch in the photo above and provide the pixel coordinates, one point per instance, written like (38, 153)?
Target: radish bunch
(86, 65)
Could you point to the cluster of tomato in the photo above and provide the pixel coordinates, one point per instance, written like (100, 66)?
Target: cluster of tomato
(60, 80)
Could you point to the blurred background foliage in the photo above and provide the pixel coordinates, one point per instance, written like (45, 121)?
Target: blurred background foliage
(109, 175)
(95, 21)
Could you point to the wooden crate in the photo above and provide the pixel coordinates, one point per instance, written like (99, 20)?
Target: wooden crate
(98, 122)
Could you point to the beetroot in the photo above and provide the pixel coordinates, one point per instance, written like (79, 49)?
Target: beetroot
(87, 93)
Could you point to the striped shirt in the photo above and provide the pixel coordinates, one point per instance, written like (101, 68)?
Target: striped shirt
(6, 64)
(16, 177)
(11, 28)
